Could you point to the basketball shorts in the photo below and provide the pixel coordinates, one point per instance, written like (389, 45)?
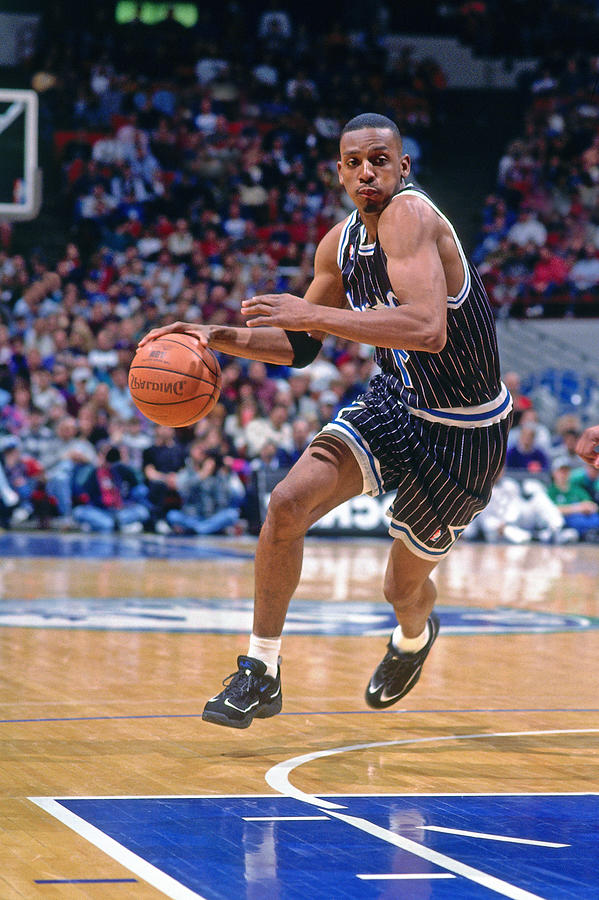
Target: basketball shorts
(442, 473)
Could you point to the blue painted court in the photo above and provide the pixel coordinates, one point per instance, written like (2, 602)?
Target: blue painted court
(377, 846)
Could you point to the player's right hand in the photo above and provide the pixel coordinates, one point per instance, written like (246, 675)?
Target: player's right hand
(588, 446)
(201, 332)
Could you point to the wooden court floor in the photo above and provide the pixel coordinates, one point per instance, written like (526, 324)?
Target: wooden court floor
(110, 648)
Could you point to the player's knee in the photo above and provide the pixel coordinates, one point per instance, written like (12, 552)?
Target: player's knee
(287, 511)
(402, 589)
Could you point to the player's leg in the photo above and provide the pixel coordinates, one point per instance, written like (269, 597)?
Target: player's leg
(410, 590)
(326, 475)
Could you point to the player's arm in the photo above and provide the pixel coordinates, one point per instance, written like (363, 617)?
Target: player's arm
(408, 231)
(270, 343)
(587, 446)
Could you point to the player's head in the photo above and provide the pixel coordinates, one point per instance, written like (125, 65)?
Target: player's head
(373, 120)
(372, 164)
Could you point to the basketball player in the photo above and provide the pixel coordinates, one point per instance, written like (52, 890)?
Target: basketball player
(431, 427)
(587, 446)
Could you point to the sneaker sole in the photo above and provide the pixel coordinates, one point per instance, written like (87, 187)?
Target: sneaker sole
(263, 712)
(372, 700)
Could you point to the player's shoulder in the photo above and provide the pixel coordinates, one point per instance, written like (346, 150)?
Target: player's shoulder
(412, 210)
(411, 202)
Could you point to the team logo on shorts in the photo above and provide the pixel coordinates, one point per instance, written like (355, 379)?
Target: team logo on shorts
(437, 534)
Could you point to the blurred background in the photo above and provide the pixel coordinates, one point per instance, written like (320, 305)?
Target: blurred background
(188, 157)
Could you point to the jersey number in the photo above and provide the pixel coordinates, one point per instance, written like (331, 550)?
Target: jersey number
(401, 357)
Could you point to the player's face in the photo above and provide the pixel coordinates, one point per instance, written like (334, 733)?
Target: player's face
(371, 167)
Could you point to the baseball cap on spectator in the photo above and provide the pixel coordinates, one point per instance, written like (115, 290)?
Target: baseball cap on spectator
(561, 462)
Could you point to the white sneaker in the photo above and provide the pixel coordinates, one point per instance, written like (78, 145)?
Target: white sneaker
(19, 515)
(567, 536)
(515, 535)
(162, 527)
(132, 528)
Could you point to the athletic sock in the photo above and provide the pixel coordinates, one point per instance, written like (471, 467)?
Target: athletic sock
(267, 650)
(409, 645)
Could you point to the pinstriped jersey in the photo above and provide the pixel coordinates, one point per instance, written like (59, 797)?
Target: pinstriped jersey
(466, 372)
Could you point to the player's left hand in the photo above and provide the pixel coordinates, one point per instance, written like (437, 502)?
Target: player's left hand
(281, 310)
(588, 446)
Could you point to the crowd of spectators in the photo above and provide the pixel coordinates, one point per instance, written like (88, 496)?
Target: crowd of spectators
(185, 188)
(198, 167)
(538, 251)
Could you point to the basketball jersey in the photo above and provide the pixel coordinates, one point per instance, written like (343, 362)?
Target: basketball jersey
(460, 382)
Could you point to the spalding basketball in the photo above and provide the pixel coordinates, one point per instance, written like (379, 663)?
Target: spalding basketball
(175, 380)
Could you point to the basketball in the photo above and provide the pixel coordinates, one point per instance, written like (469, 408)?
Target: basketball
(175, 380)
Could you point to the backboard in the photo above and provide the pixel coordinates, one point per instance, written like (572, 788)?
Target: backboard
(20, 177)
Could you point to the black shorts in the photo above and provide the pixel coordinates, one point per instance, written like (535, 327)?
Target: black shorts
(442, 473)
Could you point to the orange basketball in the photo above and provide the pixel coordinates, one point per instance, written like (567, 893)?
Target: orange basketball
(175, 380)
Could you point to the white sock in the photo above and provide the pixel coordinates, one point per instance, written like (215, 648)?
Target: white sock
(409, 645)
(267, 650)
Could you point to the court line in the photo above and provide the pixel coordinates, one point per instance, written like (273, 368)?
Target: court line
(323, 712)
(85, 881)
(277, 778)
(483, 836)
(140, 867)
(410, 876)
(286, 818)
(439, 859)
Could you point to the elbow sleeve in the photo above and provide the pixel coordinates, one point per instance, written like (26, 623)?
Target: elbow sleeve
(305, 348)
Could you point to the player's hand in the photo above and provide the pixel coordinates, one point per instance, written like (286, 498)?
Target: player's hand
(281, 310)
(201, 332)
(588, 446)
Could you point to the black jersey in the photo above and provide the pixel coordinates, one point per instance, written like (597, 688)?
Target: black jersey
(459, 385)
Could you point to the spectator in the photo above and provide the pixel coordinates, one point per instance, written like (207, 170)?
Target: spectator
(526, 454)
(39, 439)
(43, 393)
(75, 456)
(133, 441)
(568, 429)
(587, 478)
(518, 513)
(584, 274)
(212, 495)
(543, 436)
(513, 383)
(578, 509)
(110, 497)
(527, 229)
(21, 474)
(119, 396)
(162, 462)
(302, 434)
(275, 427)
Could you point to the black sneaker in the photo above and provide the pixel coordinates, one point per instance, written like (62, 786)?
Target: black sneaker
(249, 693)
(397, 673)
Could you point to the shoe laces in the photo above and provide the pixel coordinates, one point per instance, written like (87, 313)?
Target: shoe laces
(392, 660)
(241, 683)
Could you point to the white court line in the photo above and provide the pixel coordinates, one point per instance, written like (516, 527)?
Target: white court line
(144, 870)
(483, 836)
(409, 876)
(286, 818)
(439, 859)
(278, 778)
